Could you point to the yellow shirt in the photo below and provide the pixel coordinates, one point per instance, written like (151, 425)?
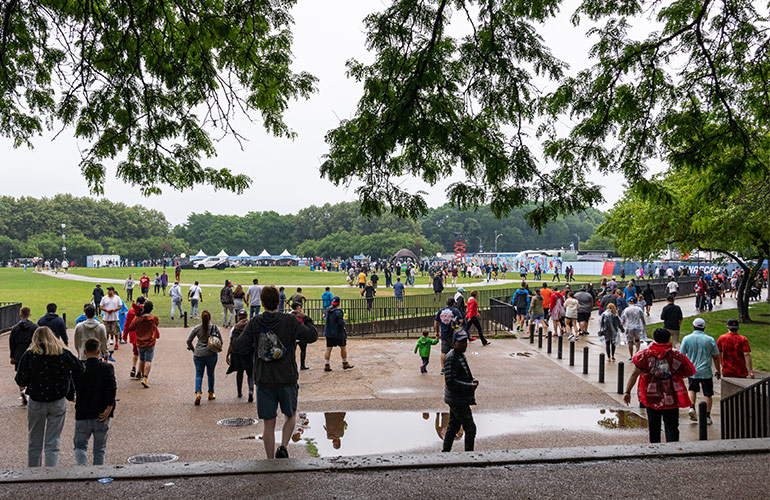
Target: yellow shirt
(362, 278)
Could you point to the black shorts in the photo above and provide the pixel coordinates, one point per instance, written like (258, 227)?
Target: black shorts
(707, 384)
(336, 342)
(268, 399)
(583, 317)
(446, 345)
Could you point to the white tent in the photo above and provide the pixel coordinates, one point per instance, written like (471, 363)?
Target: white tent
(222, 253)
(243, 253)
(200, 253)
(264, 253)
(285, 253)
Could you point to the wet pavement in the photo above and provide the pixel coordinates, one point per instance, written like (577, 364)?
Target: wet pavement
(527, 400)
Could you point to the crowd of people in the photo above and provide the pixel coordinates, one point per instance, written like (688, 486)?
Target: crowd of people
(262, 329)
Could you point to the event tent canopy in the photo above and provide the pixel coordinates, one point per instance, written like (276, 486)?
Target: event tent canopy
(243, 253)
(285, 253)
(222, 253)
(264, 253)
(200, 253)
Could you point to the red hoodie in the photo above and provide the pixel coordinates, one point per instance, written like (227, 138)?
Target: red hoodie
(130, 335)
(661, 385)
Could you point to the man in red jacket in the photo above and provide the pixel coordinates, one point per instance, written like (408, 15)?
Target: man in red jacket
(661, 387)
(130, 335)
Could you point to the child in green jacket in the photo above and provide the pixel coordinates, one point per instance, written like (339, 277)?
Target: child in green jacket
(424, 345)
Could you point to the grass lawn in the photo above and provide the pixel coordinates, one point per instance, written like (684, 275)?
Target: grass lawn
(36, 290)
(758, 334)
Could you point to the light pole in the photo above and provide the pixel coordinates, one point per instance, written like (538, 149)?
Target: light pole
(481, 248)
(497, 235)
(63, 242)
(577, 247)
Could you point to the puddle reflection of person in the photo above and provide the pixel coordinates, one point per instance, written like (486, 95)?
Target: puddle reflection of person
(335, 427)
(442, 422)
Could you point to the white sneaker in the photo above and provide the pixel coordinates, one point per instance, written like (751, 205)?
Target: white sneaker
(693, 415)
(708, 421)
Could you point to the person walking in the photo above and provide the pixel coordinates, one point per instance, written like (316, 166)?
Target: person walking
(45, 370)
(239, 299)
(336, 336)
(272, 338)
(438, 285)
(398, 292)
(459, 393)
(128, 286)
(228, 304)
(649, 296)
(736, 352)
(55, 323)
(424, 344)
(520, 301)
(661, 371)
(298, 297)
(585, 306)
(19, 341)
(130, 335)
(156, 284)
(296, 310)
(634, 324)
(472, 317)
(144, 285)
(610, 328)
(701, 350)
(146, 328)
(446, 320)
(240, 362)
(97, 295)
(90, 329)
(253, 297)
(175, 293)
(95, 390)
(111, 305)
(195, 296)
(369, 292)
(571, 306)
(164, 281)
(671, 314)
(205, 353)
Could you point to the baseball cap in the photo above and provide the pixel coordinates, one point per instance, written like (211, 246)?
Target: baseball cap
(336, 300)
(699, 323)
(242, 312)
(460, 335)
(732, 324)
(111, 288)
(461, 289)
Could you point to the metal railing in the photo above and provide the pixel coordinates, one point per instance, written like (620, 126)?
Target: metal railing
(746, 414)
(9, 315)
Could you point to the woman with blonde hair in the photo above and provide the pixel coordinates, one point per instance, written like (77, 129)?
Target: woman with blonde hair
(45, 370)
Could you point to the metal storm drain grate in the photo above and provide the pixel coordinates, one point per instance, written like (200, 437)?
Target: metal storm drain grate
(237, 422)
(153, 458)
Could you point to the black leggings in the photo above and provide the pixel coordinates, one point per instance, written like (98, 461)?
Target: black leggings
(670, 420)
(302, 352)
(475, 321)
(609, 344)
(460, 415)
(239, 381)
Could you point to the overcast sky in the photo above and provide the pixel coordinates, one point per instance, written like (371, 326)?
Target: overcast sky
(285, 173)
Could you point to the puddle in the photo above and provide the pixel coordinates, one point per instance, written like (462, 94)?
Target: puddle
(365, 432)
(525, 354)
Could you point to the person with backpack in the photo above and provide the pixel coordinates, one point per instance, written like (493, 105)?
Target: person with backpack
(272, 338)
(661, 371)
(336, 336)
(19, 341)
(520, 301)
(205, 353)
(228, 304)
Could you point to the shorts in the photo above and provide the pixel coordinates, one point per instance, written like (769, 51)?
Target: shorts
(446, 345)
(268, 399)
(707, 384)
(583, 317)
(521, 311)
(336, 342)
(146, 353)
(145, 290)
(537, 316)
(633, 335)
(113, 327)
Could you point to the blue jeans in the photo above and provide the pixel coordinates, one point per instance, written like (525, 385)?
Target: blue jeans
(83, 431)
(174, 306)
(254, 311)
(193, 307)
(425, 361)
(207, 363)
(45, 422)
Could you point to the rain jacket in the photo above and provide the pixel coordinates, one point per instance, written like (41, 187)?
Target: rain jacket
(335, 324)
(424, 344)
(128, 333)
(145, 326)
(661, 384)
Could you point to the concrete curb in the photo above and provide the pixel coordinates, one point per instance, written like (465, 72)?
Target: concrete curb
(394, 461)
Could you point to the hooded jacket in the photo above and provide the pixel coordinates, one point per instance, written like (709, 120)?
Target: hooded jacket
(90, 329)
(57, 326)
(279, 372)
(128, 333)
(458, 380)
(145, 327)
(335, 324)
(21, 338)
(661, 384)
(424, 344)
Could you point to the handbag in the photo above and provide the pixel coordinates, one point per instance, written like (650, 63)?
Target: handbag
(214, 341)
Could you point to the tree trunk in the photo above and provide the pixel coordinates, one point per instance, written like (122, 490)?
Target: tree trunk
(744, 291)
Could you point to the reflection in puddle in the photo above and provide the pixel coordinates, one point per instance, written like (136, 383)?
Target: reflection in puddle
(367, 432)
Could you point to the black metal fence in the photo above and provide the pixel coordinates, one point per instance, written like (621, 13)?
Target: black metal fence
(746, 414)
(9, 315)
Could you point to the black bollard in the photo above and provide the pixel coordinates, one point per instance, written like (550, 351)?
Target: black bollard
(540, 339)
(601, 368)
(703, 432)
(559, 347)
(550, 349)
(572, 354)
(621, 367)
(531, 336)
(185, 319)
(585, 361)
(64, 318)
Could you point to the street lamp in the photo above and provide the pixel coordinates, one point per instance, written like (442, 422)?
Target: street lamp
(497, 235)
(64, 242)
(577, 247)
(481, 248)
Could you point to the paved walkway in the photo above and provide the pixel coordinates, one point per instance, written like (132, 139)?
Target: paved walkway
(91, 279)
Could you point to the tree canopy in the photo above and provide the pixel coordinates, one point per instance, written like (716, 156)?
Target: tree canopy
(147, 82)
